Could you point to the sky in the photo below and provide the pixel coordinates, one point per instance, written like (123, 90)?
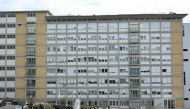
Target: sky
(100, 7)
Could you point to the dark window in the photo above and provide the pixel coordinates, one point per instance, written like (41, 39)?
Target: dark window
(186, 98)
(19, 24)
(189, 89)
(185, 60)
(185, 49)
(184, 81)
(163, 70)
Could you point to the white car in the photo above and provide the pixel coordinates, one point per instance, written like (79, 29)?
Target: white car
(18, 107)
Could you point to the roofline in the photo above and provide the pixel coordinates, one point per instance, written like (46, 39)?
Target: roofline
(27, 11)
(116, 16)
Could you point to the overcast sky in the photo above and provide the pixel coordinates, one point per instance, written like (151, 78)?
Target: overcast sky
(99, 7)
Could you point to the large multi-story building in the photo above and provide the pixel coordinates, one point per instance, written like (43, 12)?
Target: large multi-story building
(186, 57)
(128, 60)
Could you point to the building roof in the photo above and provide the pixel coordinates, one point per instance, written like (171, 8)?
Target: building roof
(181, 16)
(28, 11)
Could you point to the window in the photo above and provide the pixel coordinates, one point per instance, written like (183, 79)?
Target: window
(10, 68)
(71, 70)
(102, 69)
(113, 91)
(61, 37)
(155, 37)
(2, 15)
(166, 91)
(124, 81)
(103, 58)
(81, 37)
(81, 48)
(92, 37)
(31, 15)
(113, 47)
(145, 58)
(103, 91)
(11, 26)
(82, 26)
(145, 80)
(123, 36)
(166, 48)
(51, 81)
(145, 69)
(113, 58)
(2, 26)
(144, 37)
(123, 69)
(92, 81)
(82, 92)
(71, 27)
(61, 59)
(165, 26)
(2, 36)
(123, 58)
(92, 69)
(51, 59)
(82, 59)
(166, 80)
(145, 91)
(11, 15)
(10, 79)
(10, 90)
(81, 80)
(51, 92)
(155, 26)
(113, 37)
(113, 69)
(144, 48)
(51, 27)
(61, 48)
(144, 26)
(123, 47)
(102, 37)
(92, 26)
(71, 48)
(71, 80)
(166, 58)
(92, 58)
(123, 26)
(156, 80)
(155, 47)
(185, 60)
(156, 91)
(92, 91)
(51, 48)
(186, 98)
(92, 48)
(2, 90)
(10, 57)
(166, 37)
(2, 79)
(155, 70)
(61, 70)
(113, 26)
(82, 70)
(2, 57)
(71, 59)
(102, 47)
(155, 58)
(102, 26)
(61, 27)
(71, 37)
(166, 69)
(2, 68)
(51, 37)
(185, 49)
(11, 36)
(10, 47)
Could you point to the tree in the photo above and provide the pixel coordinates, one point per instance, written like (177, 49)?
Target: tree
(30, 101)
(63, 101)
(104, 104)
(21, 102)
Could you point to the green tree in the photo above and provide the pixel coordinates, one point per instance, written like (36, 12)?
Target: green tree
(104, 104)
(63, 101)
(21, 102)
(30, 101)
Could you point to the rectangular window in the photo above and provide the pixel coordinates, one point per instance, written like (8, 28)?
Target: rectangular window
(145, 69)
(113, 37)
(31, 15)
(2, 68)
(144, 26)
(165, 26)
(2, 90)
(71, 26)
(102, 26)
(82, 37)
(185, 60)
(10, 68)
(71, 37)
(155, 26)
(11, 36)
(92, 37)
(82, 70)
(123, 69)
(92, 69)
(11, 15)
(2, 36)
(51, 27)
(2, 79)
(166, 58)
(102, 47)
(82, 26)
(123, 36)
(61, 27)
(92, 48)
(92, 26)
(51, 37)
(123, 26)
(185, 49)
(2, 26)
(155, 70)
(10, 79)
(11, 26)
(2, 15)
(10, 47)
(2, 57)
(10, 57)
(10, 90)
(103, 59)
(113, 47)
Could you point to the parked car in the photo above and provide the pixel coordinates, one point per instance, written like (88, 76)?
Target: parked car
(18, 107)
(2, 103)
(14, 102)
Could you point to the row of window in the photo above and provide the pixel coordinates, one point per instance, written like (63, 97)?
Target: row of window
(7, 90)
(7, 36)
(90, 37)
(144, 26)
(115, 47)
(8, 47)
(8, 25)
(123, 69)
(8, 68)
(7, 57)
(14, 15)
(121, 58)
(153, 91)
(8, 79)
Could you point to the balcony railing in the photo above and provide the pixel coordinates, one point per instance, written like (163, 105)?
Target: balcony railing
(132, 84)
(30, 52)
(134, 29)
(134, 62)
(135, 96)
(29, 85)
(30, 63)
(30, 74)
(134, 51)
(134, 40)
(33, 95)
(134, 73)
(30, 42)
(30, 31)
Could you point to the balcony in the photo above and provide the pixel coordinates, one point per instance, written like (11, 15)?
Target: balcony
(30, 63)
(133, 30)
(134, 40)
(134, 84)
(30, 52)
(135, 96)
(134, 51)
(30, 42)
(134, 62)
(30, 31)
(30, 74)
(30, 85)
(134, 72)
